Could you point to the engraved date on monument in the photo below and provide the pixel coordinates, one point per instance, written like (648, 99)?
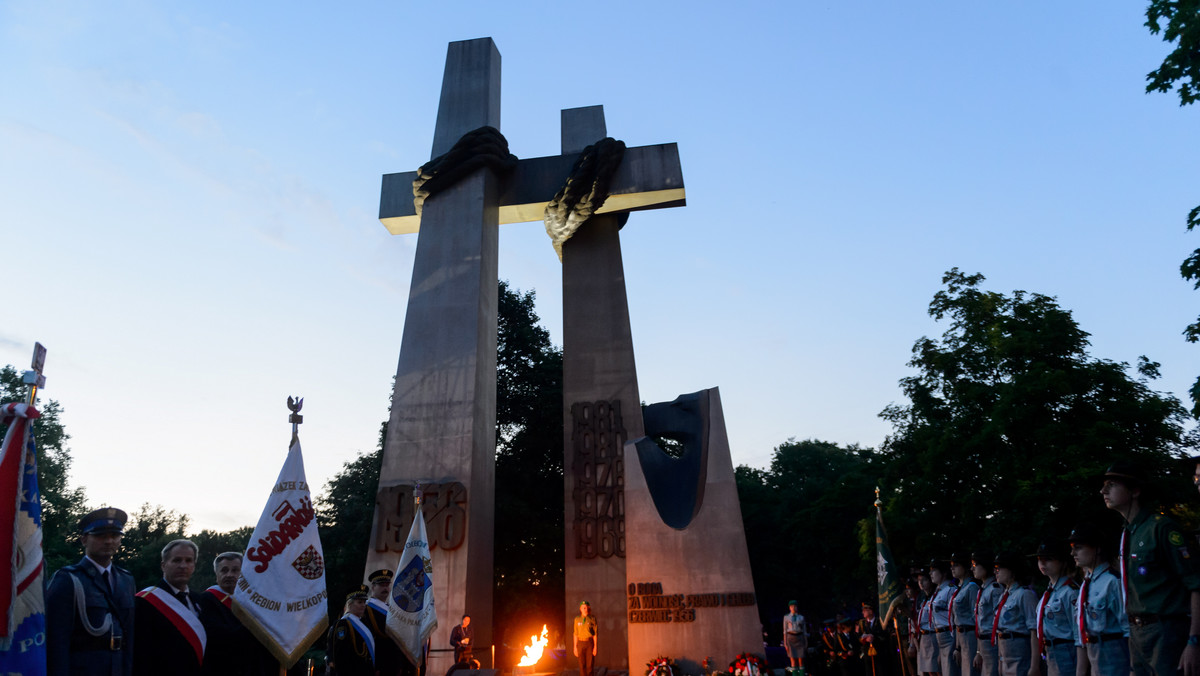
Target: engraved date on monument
(444, 508)
(598, 474)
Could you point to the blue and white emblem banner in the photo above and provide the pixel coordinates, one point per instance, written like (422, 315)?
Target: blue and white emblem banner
(411, 613)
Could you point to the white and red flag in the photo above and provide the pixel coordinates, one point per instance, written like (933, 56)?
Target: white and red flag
(411, 615)
(281, 594)
(23, 608)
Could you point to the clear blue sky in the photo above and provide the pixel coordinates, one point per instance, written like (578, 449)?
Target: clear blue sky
(189, 192)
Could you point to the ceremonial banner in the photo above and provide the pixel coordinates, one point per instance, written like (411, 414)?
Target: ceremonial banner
(23, 623)
(281, 594)
(889, 575)
(411, 615)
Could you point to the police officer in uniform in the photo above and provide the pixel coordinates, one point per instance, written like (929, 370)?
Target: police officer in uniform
(1161, 579)
(987, 598)
(351, 646)
(1056, 610)
(1101, 627)
(89, 605)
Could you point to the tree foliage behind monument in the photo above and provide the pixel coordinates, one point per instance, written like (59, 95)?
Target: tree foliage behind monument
(1010, 422)
(529, 500)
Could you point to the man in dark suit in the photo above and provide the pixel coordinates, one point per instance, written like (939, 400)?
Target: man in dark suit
(167, 618)
(230, 648)
(89, 605)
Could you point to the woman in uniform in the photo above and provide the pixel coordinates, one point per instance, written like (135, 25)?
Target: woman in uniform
(1014, 628)
(1056, 610)
(795, 636)
(1101, 627)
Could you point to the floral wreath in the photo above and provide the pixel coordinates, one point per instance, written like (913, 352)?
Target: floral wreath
(660, 666)
(748, 664)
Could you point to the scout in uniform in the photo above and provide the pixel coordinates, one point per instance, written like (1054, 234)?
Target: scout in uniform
(962, 614)
(939, 574)
(927, 651)
(1014, 627)
(89, 605)
(795, 637)
(987, 599)
(1101, 627)
(1056, 610)
(351, 646)
(1161, 580)
(585, 638)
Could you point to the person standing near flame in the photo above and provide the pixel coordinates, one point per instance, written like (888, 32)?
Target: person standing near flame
(585, 639)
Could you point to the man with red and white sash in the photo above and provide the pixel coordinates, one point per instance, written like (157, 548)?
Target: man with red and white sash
(231, 649)
(171, 638)
(351, 646)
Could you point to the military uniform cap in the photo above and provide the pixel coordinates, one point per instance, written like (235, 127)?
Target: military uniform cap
(585, 603)
(360, 592)
(793, 603)
(1127, 472)
(868, 604)
(103, 520)
(383, 574)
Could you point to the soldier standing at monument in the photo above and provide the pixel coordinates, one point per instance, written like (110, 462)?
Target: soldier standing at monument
(1161, 579)
(167, 618)
(89, 605)
(585, 639)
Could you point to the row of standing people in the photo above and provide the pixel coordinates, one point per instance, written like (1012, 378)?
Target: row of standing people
(1134, 609)
(97, 624)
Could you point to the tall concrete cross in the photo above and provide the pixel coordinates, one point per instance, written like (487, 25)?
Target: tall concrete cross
(441, 432)
(601, 407)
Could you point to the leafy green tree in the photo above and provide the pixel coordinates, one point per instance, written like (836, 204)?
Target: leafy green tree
(62, 506)
(212, 543)
(1009, 424)
(530, 582)
(150, 528)
(528, 562)
(803, 517)
(1179, 23)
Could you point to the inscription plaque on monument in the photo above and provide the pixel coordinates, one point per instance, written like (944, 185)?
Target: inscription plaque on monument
(597, 467)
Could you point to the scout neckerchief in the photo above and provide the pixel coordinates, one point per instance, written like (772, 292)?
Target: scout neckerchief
(1041, 617)
(1124, 571)
(999, 608)
(978, 596)
(950, 608)
(183, 619)
(225, 599)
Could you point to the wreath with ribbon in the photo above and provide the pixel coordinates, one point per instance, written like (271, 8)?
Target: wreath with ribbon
(748, 664)
(660, 666)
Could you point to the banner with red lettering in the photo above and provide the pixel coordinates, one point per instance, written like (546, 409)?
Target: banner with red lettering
(281, 594)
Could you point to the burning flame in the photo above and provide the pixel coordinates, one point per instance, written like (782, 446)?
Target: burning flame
(533, 651)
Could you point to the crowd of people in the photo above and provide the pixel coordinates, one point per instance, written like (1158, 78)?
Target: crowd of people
(1112, 605)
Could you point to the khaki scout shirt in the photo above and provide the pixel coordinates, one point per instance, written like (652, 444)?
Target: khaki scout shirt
(1160, 566)
(585, 627)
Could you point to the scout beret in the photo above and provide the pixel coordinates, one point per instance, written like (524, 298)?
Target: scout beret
(1053, 549)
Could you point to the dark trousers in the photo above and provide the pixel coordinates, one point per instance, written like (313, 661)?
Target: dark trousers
(1155, 648)
(584, 648)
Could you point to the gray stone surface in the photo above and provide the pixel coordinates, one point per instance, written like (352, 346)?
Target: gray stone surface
(690, 594)
(442, 426)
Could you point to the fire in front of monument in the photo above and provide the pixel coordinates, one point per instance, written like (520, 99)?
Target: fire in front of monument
(533, 651)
